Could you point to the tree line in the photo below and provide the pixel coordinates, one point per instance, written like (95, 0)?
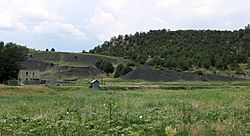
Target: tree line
(182, 49)
(11, 58)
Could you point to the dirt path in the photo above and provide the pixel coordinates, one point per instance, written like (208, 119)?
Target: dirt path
(5, 92)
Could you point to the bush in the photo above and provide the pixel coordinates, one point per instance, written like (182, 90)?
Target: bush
(83, 51)
(122, 70)
(199, 72)
(107, 67)
(239, 71)
(234, 66)
(130, 64)
(119, 71)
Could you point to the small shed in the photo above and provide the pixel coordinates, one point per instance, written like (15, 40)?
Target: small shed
(95, 84)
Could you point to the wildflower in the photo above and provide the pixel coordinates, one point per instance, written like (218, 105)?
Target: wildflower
(170, 131)
(140, 117)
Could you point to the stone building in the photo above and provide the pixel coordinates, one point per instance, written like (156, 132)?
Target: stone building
(28, 76)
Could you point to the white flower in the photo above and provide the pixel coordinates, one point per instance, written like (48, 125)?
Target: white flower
(140, 117)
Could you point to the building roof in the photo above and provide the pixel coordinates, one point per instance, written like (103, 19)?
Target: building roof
(94, 81)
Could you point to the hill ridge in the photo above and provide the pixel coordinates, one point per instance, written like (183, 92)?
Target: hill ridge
(182, 50)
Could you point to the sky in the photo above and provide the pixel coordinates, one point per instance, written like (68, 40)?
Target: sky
(76, 25)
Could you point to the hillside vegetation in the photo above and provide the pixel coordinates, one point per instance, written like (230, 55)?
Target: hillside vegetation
(182, 50)
(72, 59)
(65, 65)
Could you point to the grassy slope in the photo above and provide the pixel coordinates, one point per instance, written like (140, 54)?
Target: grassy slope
(75, 109)
(68, 59)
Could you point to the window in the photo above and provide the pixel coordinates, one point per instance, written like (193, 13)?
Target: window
(33, 74)
(27, 73)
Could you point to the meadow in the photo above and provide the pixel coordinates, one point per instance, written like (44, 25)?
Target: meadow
(122, 108)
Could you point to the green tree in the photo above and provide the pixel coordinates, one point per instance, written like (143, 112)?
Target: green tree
(107, 67)
(182, 49)
(119, 70)
(11, 58)
(122, 70)
(1, 43)
(53, 49)
(83, 51)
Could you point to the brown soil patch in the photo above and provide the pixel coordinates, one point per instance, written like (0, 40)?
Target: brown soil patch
(197, 130)
(5, 92)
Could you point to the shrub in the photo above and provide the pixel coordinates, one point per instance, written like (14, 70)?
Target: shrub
(107, 67)
(122, 70)
(130, 64)
(239, 71)
(83, 51)
(119, 71)
(199, 72)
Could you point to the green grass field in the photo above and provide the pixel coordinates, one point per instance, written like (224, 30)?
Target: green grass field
(183, 108)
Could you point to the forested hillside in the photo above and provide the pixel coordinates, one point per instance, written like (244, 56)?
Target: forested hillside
(183, 49)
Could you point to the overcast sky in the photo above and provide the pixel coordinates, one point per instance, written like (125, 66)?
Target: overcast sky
(74, 25)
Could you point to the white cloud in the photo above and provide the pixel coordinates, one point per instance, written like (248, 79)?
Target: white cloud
(102, 19)
(21, 27)
(60, 29)
(36, 16)
(104, 24)
(15, 12)
(124, 17)
(193, 8)
(127, 16)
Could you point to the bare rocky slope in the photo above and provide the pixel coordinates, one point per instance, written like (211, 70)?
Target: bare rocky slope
(77, 65)
(151, 74)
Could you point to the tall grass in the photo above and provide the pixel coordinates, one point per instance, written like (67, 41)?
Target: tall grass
(78, 110)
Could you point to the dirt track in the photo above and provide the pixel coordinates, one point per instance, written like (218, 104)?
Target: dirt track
(5, 92)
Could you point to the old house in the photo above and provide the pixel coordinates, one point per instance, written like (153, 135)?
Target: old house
(29, 76)
(95, 84)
